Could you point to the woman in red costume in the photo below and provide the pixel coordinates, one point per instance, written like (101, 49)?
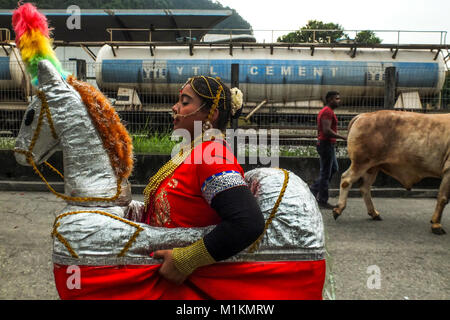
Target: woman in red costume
(205, 186)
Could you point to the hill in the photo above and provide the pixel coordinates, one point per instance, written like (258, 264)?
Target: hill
(233, 22)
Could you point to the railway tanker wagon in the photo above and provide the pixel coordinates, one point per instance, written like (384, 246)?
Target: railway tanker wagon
(14, 79)
(283, 76)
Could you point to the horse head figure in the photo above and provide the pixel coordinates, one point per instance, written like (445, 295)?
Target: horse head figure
(70, 115)
(75, 117)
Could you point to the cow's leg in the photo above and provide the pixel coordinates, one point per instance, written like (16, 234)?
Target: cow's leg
(442, 200)
(347, 179)
(368, 179)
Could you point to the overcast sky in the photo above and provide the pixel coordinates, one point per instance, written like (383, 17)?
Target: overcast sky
(427, 15)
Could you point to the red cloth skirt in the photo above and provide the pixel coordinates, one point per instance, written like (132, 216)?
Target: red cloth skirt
(286, 280)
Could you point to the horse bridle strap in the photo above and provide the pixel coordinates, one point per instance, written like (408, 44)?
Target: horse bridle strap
(29, 156)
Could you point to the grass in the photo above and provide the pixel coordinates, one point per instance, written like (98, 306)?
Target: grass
(161, 143)
(7, 143)
(156, 143)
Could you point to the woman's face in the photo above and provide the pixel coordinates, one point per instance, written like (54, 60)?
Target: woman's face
(188, 104)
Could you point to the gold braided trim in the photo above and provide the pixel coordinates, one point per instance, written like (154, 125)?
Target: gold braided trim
(63, 241)
(255, 244)
(72, 252)
(39, 124)
(46, 109)
(29, 156)
(189, 258)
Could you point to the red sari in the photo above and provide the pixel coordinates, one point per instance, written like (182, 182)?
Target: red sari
(182, 201)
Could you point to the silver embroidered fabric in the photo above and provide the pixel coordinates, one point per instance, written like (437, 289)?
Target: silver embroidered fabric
(220, 182)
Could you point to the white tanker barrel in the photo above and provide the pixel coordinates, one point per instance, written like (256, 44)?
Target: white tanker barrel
(13, 75)
(287, 75)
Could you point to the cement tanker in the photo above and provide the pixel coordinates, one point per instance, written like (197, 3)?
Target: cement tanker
(13, 75)
(284, 75)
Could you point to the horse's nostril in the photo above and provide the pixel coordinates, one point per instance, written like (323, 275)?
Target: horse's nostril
(29, 117)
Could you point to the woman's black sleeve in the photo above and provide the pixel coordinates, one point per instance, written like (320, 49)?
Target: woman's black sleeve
(242, 223)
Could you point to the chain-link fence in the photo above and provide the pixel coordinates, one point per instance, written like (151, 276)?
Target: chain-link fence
(278, 94)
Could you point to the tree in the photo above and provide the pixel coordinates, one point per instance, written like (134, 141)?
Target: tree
(367, 37)
(305, 36)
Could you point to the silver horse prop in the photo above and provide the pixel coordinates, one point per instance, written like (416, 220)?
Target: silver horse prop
(96, 227)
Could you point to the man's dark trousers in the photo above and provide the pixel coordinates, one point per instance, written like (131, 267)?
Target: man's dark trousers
(328, 167)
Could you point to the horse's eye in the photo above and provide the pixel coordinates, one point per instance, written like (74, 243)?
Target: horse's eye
(29, 117)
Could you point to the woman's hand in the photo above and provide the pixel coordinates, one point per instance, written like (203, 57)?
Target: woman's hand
(168, 269)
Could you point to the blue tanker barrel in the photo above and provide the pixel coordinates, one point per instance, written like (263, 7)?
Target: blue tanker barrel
(268, 72)
(5, 74)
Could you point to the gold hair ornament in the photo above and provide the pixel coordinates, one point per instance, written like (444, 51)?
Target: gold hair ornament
(216, 98)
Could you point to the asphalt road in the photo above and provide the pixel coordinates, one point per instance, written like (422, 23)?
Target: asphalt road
(397, 258)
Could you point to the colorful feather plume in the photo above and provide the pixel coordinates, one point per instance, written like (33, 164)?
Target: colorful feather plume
(33, 39)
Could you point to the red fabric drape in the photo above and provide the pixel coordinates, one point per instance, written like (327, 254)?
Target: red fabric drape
(293, 280)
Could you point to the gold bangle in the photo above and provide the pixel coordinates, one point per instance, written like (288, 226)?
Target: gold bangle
(189, 258)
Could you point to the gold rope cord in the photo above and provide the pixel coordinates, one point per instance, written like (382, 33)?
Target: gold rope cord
(63, 241)
(69, 248)
(46, 108)
(54, 169)
(255, 244)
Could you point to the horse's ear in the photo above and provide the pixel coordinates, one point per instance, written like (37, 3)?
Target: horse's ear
(47, 72)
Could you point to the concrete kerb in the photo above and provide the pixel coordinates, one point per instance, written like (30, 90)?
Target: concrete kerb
(14, 177)
(35, 186)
